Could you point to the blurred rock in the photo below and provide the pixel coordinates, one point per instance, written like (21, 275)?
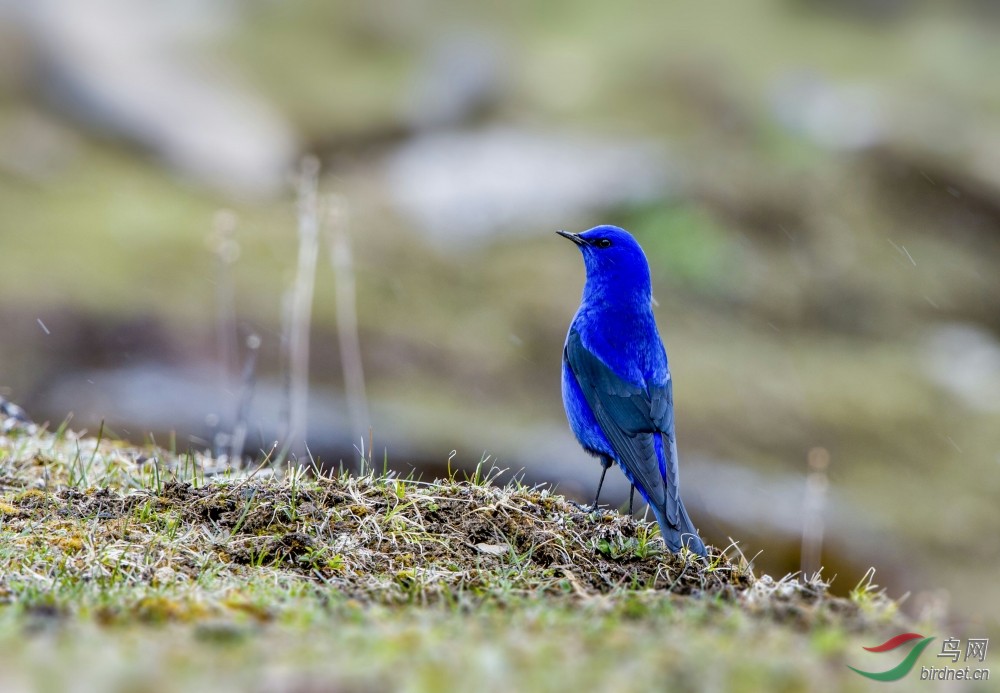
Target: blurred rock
(461, 79)
(831, 115)
(964, 360)
(461, 187)
(131, 68)
(12, 416)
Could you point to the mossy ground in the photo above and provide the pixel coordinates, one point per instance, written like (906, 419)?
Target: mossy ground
(124, 569)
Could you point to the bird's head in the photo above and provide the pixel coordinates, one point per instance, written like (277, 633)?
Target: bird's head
(616, 266)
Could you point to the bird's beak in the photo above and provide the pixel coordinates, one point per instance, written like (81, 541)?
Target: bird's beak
(575, 237)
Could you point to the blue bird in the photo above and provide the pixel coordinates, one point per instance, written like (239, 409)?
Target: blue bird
(616, 381)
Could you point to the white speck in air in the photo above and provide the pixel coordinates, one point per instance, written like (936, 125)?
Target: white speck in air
(903, 251)
(42, 325)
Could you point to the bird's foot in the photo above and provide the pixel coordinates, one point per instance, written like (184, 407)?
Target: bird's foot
(587, 508)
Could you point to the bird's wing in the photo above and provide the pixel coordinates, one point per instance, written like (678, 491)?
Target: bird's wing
(632, 417)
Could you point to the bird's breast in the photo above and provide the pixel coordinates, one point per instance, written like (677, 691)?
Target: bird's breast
(627, 342)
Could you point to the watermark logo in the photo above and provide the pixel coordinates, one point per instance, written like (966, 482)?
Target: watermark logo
(951, 648)
(904, 667)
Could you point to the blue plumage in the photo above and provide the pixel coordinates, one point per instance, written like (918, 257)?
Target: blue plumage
(616, 380)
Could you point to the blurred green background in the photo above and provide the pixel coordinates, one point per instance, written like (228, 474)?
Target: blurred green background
(816, 183)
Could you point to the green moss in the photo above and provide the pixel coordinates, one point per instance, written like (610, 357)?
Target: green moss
(686, 244)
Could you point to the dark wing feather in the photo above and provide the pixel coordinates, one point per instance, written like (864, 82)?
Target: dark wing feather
(631, 416)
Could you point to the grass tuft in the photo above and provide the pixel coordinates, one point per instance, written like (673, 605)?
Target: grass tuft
(145, 519)
(257, 558)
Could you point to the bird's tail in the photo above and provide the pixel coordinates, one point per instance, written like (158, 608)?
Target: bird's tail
(683, 534)
(676, 527)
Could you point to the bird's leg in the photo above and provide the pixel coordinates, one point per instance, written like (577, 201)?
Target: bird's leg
(631, 497)
(605, 463)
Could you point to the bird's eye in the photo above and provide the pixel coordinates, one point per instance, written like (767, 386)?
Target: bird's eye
(604, 243)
